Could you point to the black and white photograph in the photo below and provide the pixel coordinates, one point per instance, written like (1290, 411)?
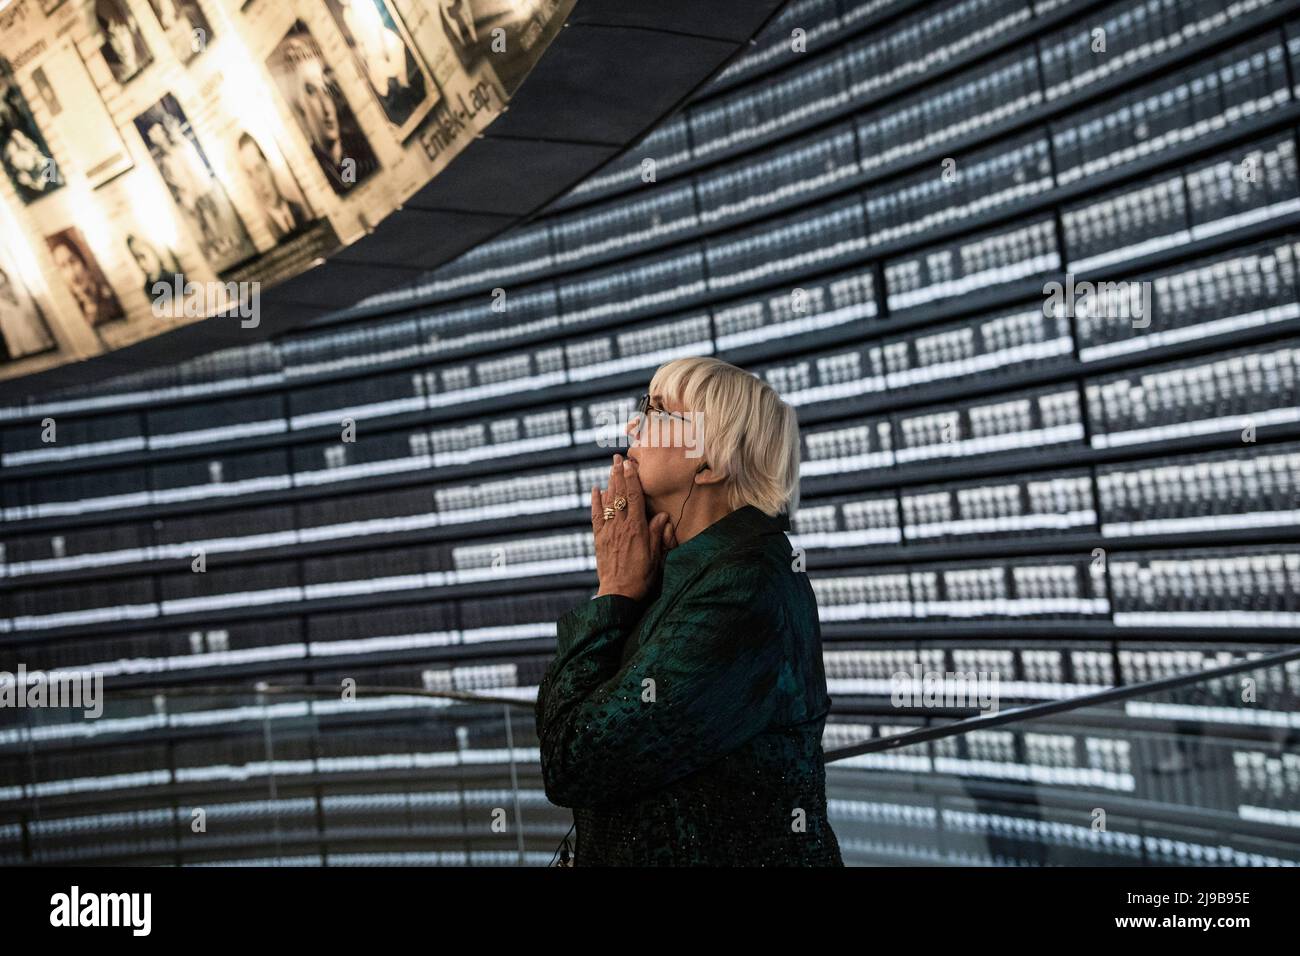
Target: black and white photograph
(23, 330)
(156, 264)
(383, 54)
(311, 91)
(280, 202)
(198, 193)
(505, 33)
(187, 27)
(83, 277)
(460, 23)
(27, 158)
(122, 44)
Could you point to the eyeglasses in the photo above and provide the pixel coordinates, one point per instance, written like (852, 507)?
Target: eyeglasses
(644, 407)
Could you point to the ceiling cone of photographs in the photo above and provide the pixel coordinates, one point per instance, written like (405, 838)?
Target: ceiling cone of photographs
(166, 161)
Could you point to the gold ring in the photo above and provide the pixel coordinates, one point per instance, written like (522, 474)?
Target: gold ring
(620, 503)
(609, 513)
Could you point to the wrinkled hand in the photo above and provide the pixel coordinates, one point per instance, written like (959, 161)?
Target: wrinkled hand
(629, 550)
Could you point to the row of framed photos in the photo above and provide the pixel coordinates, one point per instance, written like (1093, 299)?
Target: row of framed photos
(408, 83)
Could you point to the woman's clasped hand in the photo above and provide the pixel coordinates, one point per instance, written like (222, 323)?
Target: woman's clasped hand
(629, 549)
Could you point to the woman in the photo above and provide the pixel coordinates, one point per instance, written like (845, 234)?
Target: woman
(157, 268)
(682, 716)
(123, 48)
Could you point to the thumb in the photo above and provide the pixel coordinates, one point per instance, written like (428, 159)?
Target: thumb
(668, 533)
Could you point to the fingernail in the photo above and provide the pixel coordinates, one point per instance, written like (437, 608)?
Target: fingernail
(617, 458)
(627, 467)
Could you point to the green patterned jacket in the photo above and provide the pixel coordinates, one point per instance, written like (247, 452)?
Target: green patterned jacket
(685, 728)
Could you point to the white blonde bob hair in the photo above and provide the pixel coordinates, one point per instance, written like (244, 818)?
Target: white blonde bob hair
(749, 433)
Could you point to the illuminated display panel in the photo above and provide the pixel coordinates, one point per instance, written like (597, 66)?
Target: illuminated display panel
(168, 160)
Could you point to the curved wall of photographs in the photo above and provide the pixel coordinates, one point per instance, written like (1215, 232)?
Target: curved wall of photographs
(1074, 486)
(166, 161)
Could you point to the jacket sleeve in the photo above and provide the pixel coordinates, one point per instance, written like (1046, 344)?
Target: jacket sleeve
(706, 681)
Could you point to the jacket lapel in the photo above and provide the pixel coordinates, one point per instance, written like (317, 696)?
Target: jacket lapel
(689, 560)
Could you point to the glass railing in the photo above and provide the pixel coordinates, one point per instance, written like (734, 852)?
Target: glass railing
(1199, 769)
(1196, 770)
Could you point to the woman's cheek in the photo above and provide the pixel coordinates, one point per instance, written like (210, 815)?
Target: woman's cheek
(649, 482)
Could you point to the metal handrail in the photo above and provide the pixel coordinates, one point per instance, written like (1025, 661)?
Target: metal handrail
(1047, 708)
(891, 742)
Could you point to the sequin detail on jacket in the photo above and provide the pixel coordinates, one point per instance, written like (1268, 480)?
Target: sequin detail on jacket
(685, 728)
